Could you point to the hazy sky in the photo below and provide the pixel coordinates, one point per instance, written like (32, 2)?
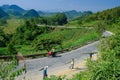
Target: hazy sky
(79, 5)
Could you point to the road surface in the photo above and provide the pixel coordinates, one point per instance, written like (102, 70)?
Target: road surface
(56, 64)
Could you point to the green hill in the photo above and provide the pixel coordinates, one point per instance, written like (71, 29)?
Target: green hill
(3, 13)
(74, 14)
(13, 10)
(31, 13)
(109, 16)
(16, 8)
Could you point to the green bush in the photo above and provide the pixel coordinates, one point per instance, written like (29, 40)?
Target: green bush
(107, 67)
(11, 50)
(8, 70)
(53, 77)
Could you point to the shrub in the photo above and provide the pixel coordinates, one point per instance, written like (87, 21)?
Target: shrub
(8, 70)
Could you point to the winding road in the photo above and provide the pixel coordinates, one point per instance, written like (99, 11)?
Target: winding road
(56, 64)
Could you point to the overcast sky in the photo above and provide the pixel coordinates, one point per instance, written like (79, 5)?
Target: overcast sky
(52, 5)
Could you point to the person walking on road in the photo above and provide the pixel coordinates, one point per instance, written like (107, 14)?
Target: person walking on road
(72, 63)
(45, 75)
(90, 55)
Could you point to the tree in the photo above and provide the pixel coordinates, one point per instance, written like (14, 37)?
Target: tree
(2, 38)
(57, 19)
(47, 44)
(3, 21)
(60, 19)
(11, 49)
(107, 67)
(100, 27)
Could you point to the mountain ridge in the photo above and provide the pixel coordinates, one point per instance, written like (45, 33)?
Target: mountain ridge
(18, 11)
(12, 8)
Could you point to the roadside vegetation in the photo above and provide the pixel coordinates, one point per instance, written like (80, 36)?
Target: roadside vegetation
(9, 71)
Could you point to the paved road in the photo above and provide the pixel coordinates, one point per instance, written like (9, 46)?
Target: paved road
(62, 59)
(60, 62)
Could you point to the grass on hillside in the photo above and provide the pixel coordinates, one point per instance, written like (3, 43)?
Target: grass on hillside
(86, 24)
(12, 24)
(70, 38)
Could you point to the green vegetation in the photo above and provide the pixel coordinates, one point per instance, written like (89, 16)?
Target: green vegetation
(67, 38)
(4, 38)
(57, 19)
(74, 14)
(11, 25)
(26, 37)
(11, 49)
(109, 16)
(30, 38)
(3, 21)
(3, 51)
(8, 70)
